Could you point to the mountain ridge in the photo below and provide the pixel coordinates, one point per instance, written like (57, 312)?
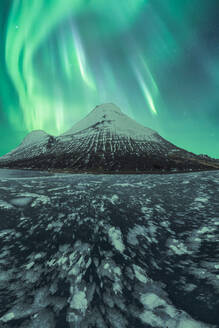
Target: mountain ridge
(108, 140)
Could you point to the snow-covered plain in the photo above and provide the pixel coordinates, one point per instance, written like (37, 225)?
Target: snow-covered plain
(109, 250)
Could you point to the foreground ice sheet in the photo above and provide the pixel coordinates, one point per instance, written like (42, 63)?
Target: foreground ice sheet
(109, 251)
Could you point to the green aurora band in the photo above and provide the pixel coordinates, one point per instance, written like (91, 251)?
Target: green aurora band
(31, 26)
(61, 58)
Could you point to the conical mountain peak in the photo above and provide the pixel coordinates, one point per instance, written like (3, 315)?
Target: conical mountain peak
(108, 107)
(110, 118)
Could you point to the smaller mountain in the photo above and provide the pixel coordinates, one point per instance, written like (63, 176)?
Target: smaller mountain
(34, 137)
(106, 140)
(27, 149)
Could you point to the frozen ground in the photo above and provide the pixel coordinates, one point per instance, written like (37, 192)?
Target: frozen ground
(109, 251)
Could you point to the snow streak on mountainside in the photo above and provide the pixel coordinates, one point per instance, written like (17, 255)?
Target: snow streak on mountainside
(105, 140)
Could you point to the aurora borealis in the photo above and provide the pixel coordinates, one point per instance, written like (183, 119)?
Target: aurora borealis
(156, 59)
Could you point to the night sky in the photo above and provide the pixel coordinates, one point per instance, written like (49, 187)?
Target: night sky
(158, 60)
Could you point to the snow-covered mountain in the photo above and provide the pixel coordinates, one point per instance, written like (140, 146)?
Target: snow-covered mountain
(109, 117)
(105, 140)
(33, 144)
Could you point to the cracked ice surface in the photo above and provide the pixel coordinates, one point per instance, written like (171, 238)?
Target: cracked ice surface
(109, 251)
